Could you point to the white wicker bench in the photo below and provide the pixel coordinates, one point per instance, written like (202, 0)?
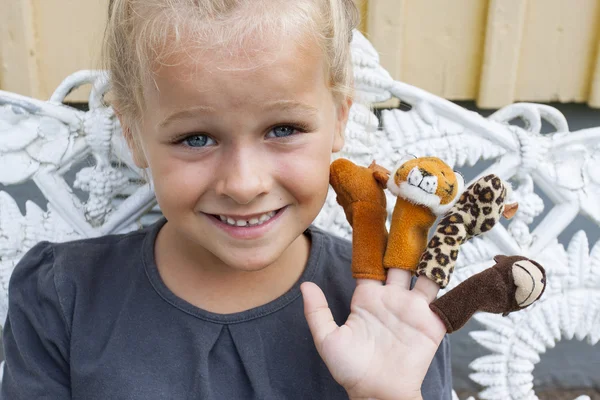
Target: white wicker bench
(44, 142)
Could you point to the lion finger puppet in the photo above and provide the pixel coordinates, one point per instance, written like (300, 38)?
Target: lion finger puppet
(363, 199)
(512, 284)
(425, 188)
(477, 211)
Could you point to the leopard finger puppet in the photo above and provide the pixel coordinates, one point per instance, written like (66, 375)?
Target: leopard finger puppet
(363, 199)
(476, 212)
(425, 188)
(512, 284)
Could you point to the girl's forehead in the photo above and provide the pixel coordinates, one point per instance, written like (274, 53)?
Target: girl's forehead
(276, 58)
(228, 79)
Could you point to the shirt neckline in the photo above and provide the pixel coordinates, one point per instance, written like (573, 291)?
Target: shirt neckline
(149, 261)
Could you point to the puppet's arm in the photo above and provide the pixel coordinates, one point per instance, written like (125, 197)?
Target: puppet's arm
(363, 200)
(511, 285)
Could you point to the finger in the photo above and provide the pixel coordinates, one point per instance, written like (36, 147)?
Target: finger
(317, 313)
(398, 277)
(368, 282)
(427, 287)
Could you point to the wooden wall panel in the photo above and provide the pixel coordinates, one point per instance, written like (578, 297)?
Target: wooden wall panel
(434, 44)
(19, 70)
(504, 34)
(493, 51)
(68, 41)
(558, 50)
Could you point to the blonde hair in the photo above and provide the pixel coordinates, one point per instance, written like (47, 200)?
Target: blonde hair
(141, 34)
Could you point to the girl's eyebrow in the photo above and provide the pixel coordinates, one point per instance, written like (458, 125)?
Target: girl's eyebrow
(185, 113)
(291, 105)
(281, 105)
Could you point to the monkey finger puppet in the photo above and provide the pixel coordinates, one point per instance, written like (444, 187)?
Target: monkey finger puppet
(512, 284)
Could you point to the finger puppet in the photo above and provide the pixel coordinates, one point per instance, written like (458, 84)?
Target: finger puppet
(363, 199)
(512, 284)
(476, 212)
(425, 188)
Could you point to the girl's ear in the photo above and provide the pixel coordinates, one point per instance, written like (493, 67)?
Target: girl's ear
(132, 142)
(343, 111)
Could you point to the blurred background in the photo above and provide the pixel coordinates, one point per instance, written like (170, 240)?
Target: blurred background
(481, 54)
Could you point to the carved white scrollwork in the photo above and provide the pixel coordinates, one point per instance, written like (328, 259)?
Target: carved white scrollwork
(41, 141)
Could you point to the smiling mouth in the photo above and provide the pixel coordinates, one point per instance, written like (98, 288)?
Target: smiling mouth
(255, 220)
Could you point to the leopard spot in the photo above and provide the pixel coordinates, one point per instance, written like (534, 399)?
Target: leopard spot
(475, 210)
(500, 199)
(449, 240)
(486, 195)
(488, 224)
(489, 177)
(442, 259)
(463, 199)
(487, 210)
(454, 255)
(434, 242)
(448, 230)
(426, 256)
(455, 218)
(422, 266)
(438, 273)
(470, 228)
(496, 183)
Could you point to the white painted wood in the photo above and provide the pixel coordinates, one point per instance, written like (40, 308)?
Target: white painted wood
(40, 141)
(504, 32)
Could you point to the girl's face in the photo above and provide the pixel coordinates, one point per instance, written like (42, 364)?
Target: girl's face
(239, 148)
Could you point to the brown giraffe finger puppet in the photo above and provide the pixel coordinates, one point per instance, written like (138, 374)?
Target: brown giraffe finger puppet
(363, 200)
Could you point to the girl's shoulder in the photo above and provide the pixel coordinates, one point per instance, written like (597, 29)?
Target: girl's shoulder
(81, 267)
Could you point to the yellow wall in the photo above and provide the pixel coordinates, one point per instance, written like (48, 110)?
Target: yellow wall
(493, 51)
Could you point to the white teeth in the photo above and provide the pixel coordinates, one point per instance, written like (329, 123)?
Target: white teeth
(252, 222)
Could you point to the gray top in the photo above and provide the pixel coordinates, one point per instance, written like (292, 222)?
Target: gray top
(93, 320)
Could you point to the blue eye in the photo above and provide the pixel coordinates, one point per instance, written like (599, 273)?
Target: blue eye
(198, 141)
(282, 131)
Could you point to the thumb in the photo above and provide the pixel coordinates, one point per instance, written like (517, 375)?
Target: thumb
(317, 313)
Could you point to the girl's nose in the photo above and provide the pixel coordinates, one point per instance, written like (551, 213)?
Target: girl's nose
(244, 176)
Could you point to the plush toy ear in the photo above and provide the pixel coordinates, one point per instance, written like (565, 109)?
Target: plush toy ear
(510, 210)
(499, 258)
(380, 174)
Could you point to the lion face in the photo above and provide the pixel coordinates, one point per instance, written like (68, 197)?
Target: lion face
(427, 181)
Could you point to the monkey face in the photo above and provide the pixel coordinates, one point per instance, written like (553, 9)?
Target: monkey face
(530, 282)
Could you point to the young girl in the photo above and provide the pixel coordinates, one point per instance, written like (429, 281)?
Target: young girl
(235, 107)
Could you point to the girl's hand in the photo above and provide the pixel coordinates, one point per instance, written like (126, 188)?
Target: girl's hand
(384, 349)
